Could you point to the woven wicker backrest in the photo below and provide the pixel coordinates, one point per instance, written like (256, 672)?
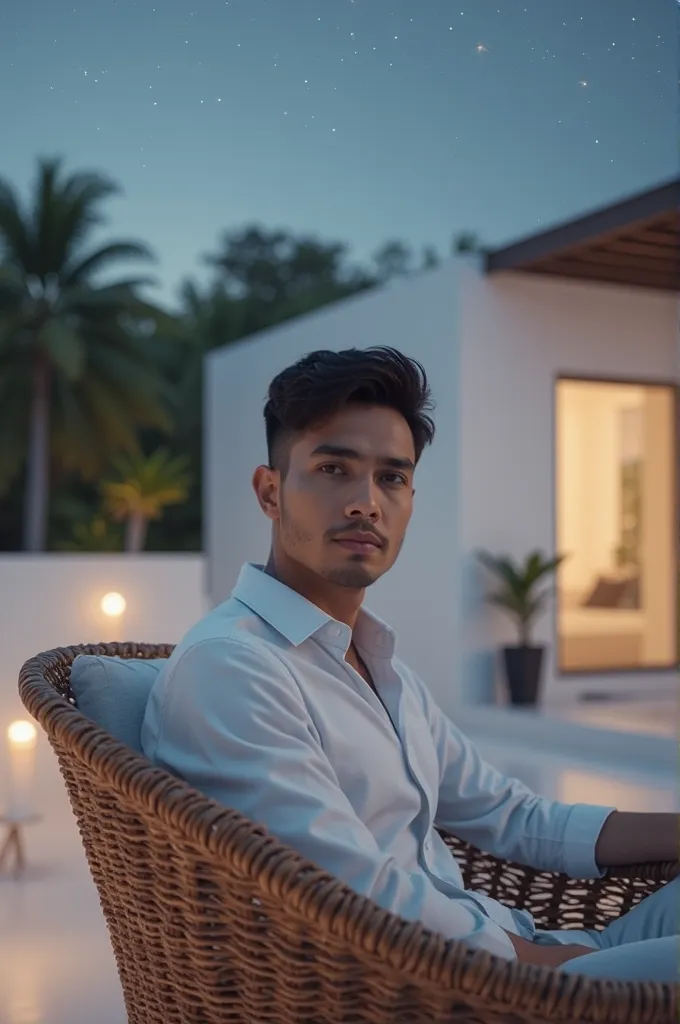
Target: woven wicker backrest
(213, 921)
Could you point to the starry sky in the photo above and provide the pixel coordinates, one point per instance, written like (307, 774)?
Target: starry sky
(357, 120)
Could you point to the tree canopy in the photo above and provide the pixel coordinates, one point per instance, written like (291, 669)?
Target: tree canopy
(97, 382)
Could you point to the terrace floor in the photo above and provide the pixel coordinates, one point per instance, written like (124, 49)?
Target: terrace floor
(658, 716)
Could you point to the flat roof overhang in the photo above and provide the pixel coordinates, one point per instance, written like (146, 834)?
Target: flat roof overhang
(634, 242)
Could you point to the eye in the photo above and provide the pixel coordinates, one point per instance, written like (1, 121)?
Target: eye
(328, 469)
(395, 479)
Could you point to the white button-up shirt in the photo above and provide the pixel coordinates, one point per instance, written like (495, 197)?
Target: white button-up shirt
(258, 709)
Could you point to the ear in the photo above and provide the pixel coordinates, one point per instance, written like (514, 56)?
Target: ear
(267, 485)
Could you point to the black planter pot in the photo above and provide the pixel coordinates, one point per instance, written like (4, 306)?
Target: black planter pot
(523, 672)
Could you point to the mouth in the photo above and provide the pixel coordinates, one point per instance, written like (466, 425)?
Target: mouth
(359, 547)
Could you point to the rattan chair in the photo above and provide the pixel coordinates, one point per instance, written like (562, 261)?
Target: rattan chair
(213, 921)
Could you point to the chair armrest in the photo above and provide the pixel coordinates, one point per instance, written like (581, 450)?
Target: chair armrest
(555, 900)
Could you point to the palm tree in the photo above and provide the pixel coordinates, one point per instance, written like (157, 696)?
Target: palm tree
(146, 485)
(518, 594)
(96, 535)
(76, 374)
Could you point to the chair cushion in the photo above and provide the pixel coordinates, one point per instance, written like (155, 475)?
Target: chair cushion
(113, 692)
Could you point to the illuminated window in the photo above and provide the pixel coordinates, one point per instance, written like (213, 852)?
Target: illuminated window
(617, 524)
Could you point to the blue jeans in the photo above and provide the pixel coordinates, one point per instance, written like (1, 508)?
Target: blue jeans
(643, 945)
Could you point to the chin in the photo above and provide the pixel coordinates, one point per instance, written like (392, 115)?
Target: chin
(355, 577)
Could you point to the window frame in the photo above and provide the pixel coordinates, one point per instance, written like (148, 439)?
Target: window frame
(654, 382)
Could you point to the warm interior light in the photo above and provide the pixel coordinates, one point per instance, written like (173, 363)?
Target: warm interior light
(22, 733)
(113, 604)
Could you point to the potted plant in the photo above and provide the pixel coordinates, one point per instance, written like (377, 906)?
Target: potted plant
(521, 595)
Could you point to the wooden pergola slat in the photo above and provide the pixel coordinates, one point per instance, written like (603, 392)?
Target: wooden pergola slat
(634, 242)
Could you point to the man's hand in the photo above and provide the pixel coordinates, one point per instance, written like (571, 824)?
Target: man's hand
(546, 956)
(629, 837)
(558, 955)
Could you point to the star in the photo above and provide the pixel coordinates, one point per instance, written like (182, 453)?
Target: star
(481, 48)
(583, 83)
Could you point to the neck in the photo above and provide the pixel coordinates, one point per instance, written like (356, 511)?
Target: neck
(341, 603)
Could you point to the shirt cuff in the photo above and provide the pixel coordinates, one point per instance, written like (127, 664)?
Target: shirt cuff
(582, 831)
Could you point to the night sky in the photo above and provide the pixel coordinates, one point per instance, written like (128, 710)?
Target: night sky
(358, 120)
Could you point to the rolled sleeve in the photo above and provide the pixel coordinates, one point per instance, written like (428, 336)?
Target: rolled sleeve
(582, 830)
(230, 720)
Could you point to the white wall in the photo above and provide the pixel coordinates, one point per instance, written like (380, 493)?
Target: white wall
(517, 333)
(419, 596)
(51, 601)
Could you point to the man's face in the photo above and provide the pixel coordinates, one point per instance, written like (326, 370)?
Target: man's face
(342, 509)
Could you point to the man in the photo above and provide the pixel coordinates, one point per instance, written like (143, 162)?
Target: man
(288, 704)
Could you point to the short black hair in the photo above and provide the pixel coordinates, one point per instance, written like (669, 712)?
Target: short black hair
(311, 391)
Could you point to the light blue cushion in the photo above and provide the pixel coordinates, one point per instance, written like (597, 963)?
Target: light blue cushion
(113, 692)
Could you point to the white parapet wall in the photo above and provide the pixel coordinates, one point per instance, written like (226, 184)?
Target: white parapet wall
(51, 601)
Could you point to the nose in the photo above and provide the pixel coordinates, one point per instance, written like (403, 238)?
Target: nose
(364, 501)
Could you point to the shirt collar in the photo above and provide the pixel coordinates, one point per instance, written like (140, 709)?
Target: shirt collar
(297, 619)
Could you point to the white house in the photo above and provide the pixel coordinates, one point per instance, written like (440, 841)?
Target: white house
(554, 364)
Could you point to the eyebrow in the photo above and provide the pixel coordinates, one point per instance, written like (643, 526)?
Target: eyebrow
(339, 452)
